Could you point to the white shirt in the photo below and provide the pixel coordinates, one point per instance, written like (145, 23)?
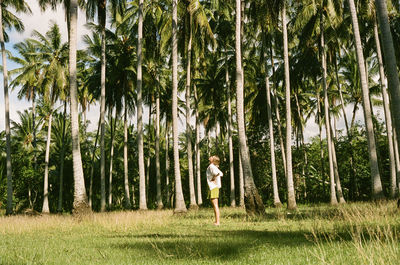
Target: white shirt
(212, 171)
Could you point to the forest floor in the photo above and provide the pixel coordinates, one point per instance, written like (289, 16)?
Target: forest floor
(359, 233)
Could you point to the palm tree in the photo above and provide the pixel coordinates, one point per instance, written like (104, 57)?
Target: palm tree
(179, 200)
(390, 63)
(53, 53)
(253, 202)
(377, 191)
(289, 172)
(80, 204)
(142, 177)
(7, 18)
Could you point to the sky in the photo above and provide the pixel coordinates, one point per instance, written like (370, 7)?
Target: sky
(41, 21)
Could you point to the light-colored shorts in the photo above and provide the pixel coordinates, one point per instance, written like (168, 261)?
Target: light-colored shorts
(214, 193)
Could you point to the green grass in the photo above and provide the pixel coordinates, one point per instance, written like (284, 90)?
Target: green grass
(349, 234)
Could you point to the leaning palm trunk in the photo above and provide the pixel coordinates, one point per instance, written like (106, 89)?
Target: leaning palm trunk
(388, 116)
(277, 201)
(333, 199)
(126, 172)
(80, 198)
(390, 63)
(158, 174)
(45, 208)
(192, 193)
(376, 188)
(231, 168)
(397, 158)
(179, 200)
(60, 194)
(289, 170)
(197, 149)
(253, 202)
(102, 20)
(7, 117)
(142, 177)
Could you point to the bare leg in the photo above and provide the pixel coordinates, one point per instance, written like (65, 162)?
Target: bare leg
(216, 210)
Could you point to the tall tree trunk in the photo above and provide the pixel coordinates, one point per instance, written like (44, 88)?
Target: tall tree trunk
(230, 143)
(102, 20)
(34, 129)
(9, 209)
(278, 117)
(333, 199)
(339, 191)
(321, 146)
(126, 171)
(179, 200)
(289, 172)
(253, 202)
(397, 157)
(112, 131)
(192, 193)
(277, 201)
(60, 194)
(197, 148)
(142, 177)
(388, 116)
(150, 140)
(241, 182)
(45, 208)
(377, 192)
(390, 63)
(158, 174)
(92, 167)
(167, 187)
(80, 199)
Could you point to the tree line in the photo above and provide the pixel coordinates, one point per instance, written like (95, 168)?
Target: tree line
(248, 74)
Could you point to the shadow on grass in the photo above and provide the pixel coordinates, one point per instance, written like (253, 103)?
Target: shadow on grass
(211, 244)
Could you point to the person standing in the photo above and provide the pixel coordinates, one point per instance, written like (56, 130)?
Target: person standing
(214, 184)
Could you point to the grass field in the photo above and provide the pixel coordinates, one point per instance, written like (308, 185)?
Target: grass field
(348, 234)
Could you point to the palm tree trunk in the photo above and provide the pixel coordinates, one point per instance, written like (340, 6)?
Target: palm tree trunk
(142, 177)
(167, 187)
(60, 194)
(179, 200)
(197, 148)
(80, 199)
(333, 199)
(34, 129)
(377, 192)
(390, 63)
(192, 193)
(338, 185)
(110, 180)
(9, 209)
(92, 167)
(230, 143)
(241, 182)
(388, 116)
(321, 141)
(102, 20)
(253, 202)
(45, 208)
(397, 158)
(289, 172)
(149, 141)
(277, 201)
(158, 174)
(278, 117)
(126, 172)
